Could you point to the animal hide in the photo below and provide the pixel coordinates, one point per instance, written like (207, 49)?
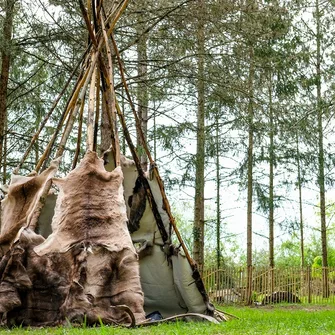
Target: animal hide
(22, 205)
(90, 207)
(90, 229)
(32, 288)
(137, 203)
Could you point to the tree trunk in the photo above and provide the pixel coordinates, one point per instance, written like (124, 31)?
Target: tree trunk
(250, 171)
(321, 178)
(301, 221)
(5, 67)
(142, 89)
(199, 216)
(271, 189)
(218, 184)
(4, 160)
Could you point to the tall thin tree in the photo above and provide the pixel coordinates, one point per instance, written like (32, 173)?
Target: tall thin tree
(321, 177)
(6, 49)
(199, 199)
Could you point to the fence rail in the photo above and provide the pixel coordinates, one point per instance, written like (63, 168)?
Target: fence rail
(308, 285)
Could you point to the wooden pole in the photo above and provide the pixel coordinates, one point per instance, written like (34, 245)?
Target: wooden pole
(48, 115)
(142, 177)
(90, 114)
(80, 127)
(88, 23)
(97, 111)
(73, 115)
(117, 16)
(107, 101)
(112, 93)
(69, 107)
(152, 163)
(309, 284)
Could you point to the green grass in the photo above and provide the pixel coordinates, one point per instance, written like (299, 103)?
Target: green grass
(285, 319)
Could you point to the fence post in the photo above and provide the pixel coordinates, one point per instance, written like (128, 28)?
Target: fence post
(272, 280)
(309, 284)
(249, 285)
(325, 282)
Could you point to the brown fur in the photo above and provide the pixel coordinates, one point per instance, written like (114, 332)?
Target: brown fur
(90, 207)
(21, 203)
(86, 268)
(33, 288)
(137, 203)
(90, 228)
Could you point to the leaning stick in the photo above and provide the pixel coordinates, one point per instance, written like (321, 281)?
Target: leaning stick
(152, 163)
(113, 7)
(90, 114)
(97, 112)
(118, 14)
(73, 115)
(62, 120)
(69, 106)
(143, 179)
(108, 103)
(80, 129)
(112, 92)
(99, 7)
(88, 23)
(46, 118)
(137, 161)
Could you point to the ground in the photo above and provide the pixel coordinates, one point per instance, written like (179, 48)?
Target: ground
(283, 319)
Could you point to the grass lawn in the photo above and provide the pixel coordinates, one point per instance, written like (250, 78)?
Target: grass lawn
(284, 319)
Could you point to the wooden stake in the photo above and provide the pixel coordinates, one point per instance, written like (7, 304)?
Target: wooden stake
(80, 128)
(73, 115)
(143, 179)
(153, 166)
(88, 23)
(69, 107)
(112, 93)
(118, 14)
(107, 101)
(97, 112)
(110, 102)
(90, 114)
(46, 118)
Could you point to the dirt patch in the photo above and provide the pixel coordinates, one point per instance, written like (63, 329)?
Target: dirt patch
(298, 307)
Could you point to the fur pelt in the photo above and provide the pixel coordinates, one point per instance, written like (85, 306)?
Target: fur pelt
(137, 203)
(33, 288)
(22, 204)
(90, 229)
(90, 207)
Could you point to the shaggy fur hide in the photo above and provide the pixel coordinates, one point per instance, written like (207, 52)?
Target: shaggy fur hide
(22, 204)
(137, 203)
(90, 228)
(32, 288)
(87, 269)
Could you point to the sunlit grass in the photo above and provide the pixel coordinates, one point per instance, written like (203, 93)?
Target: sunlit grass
(285, 319)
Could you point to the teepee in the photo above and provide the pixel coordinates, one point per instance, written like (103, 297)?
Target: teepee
(99, 248)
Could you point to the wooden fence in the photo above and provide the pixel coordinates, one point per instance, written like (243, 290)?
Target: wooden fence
(307, 285)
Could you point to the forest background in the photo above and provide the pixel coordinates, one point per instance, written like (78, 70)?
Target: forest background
(237, 102)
